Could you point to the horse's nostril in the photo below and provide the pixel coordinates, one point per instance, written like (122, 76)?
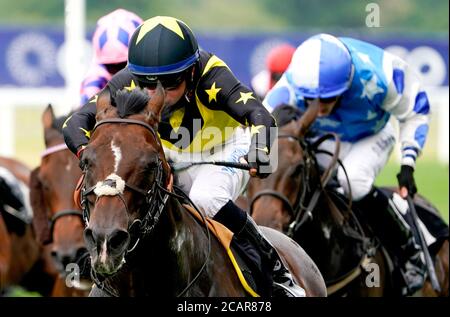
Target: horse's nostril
(118, 240)
(81, 252)
(89, 238)
(54, 254)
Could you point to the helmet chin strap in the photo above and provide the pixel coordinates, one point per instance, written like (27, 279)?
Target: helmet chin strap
(190, 83)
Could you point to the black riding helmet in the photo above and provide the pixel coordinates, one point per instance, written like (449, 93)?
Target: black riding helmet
(162, 48)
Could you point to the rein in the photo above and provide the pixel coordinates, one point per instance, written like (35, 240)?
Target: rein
(61, 213)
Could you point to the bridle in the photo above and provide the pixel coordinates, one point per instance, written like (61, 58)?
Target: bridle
(298, 206)
(155, 198)
(65, 212)
(298, 211)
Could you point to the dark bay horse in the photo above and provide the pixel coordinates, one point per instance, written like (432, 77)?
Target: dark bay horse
(341, 245)
(57, 220)
(21, 261)
(141, 239)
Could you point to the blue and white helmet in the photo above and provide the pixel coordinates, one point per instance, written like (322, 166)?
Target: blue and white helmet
(321, 67)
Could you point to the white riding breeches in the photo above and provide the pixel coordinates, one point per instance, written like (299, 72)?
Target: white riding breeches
(363, 160)
(209, 186)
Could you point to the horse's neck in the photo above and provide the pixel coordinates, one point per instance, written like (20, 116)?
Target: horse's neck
(170, 256)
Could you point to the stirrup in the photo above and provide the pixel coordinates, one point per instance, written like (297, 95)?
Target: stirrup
(284, 284)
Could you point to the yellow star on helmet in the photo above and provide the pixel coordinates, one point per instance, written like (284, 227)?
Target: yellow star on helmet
(94, 100)
(65, 122)
(86, 133)
(168, 22)
(212, 93)
(255, 129)
(245, 96)
(131, 87)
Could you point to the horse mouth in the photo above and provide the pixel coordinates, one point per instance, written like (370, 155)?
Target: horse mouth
(108, 266)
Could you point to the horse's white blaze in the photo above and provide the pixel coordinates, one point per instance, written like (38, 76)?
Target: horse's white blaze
(103, 253)
(117, 155)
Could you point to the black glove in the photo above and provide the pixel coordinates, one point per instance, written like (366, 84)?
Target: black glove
(258, 158)
(406, 179)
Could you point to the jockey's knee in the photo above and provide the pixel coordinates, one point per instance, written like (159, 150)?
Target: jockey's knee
(360, 186)
(208, 203)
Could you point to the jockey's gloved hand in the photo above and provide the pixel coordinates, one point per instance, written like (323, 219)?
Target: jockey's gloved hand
(406, 179)
(258, 158)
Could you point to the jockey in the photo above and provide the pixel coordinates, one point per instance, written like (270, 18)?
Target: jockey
(277, 61)
(110, 43)
(359, 86)
(204, 111)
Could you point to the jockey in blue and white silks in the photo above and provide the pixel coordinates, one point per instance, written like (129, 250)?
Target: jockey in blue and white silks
(359, 86)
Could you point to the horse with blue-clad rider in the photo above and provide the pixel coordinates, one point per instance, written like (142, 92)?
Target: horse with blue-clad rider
(359, 87)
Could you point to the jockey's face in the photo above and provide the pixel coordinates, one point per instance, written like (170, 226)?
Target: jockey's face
(173, 94)
(326, 105)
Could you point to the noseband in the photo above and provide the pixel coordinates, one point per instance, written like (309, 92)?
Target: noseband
(155, 198)
(61, 213)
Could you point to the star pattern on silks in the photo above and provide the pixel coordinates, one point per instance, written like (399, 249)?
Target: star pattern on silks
(245, 96)
(365, 58)
(65, 122)
(168, 22)
(371, 115)
(94, 100)
(131, 87)
(370, 87)
(378, 125)
(212, 92)
(328, 122)
(254, 129)
(86, 133)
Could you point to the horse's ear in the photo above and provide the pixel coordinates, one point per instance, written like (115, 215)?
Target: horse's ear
(103, 103)
(156, 101)
(307, 119)
(40, 217)
(48, 117)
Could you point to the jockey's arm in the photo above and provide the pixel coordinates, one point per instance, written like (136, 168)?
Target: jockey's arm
(408, 102)
(241, 104)
(280, 94)
(77, 128)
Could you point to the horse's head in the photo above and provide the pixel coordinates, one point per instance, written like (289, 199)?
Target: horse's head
(125, 166)
(275, 199)
(56, 217)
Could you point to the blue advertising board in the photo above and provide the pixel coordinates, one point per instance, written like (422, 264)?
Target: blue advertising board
(33, 57)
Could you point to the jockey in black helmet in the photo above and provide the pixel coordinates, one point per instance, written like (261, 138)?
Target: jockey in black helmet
(201, 95)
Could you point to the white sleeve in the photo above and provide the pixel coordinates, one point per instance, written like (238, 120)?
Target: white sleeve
(281, 93)
(408, 102)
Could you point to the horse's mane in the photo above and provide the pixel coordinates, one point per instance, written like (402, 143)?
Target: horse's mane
(284, 114)
(130, 102)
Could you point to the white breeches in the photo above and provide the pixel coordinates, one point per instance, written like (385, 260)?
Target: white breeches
(210, 187)
(363, 160)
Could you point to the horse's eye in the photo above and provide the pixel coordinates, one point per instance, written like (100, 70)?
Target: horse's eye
(297, 170)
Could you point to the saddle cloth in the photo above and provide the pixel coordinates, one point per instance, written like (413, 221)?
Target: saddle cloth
(225, 237)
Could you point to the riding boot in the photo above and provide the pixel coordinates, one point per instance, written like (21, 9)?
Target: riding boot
(283, 282)
(246, 229)
(396, 235)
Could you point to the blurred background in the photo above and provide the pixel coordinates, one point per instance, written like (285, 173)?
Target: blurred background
(34, 43)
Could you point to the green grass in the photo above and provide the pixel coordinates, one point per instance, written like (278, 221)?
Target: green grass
(432, 180)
